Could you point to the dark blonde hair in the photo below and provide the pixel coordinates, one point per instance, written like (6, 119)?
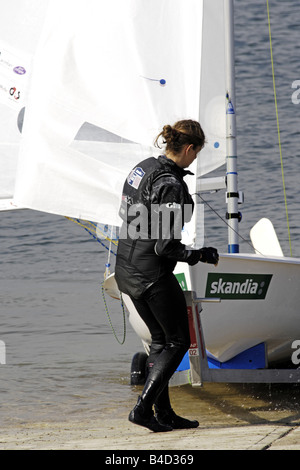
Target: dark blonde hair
(182, 133)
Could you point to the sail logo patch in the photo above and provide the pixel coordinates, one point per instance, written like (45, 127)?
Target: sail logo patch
(237, 286)
(135, 177)
(19, 70)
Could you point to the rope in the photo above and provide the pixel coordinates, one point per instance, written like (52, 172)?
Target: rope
(107, 273)
(107, 270)
(109, 319)
(92, 230)
(278, 128)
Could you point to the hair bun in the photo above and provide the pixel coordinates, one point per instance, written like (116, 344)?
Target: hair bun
(182, 133)
(169, 133)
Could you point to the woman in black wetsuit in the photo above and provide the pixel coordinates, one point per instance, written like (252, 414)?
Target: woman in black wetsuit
(155, 205)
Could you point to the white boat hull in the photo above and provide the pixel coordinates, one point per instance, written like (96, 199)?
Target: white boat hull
(272, 316)
(260, 299)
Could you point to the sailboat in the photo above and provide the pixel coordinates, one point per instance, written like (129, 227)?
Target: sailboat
(93, 82)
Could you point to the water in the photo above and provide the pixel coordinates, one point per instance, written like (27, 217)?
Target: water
(62, 360)
(61, 355)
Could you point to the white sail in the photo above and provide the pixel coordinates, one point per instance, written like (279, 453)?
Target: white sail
(20, 27)
(212, 110)
(123, 68)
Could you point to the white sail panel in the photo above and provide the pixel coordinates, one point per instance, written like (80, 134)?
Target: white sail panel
(103, 63)
(128, 67)
(14, 71)
(213, 88)
(20, 26)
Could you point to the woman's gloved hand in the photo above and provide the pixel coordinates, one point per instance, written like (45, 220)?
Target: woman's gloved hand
(205, 255)
(209, 255)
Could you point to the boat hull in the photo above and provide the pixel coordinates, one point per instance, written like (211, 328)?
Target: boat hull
(260, 299)
(259, 303)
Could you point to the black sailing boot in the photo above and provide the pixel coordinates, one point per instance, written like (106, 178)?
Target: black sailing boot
(146, 418)
(168, 417)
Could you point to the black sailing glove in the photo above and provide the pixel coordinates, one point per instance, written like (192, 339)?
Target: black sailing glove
(209, 255)
(206, 255)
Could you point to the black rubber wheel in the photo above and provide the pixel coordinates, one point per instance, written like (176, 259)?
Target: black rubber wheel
(138, 369)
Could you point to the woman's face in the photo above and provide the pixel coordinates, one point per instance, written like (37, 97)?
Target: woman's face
(189, 154)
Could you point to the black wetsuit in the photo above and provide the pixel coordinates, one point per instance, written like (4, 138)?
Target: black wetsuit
(144, 267)
(147, 250)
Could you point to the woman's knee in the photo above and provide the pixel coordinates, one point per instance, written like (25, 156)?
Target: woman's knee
(181, 345)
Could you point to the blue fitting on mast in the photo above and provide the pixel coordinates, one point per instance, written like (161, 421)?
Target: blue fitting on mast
(233, 248)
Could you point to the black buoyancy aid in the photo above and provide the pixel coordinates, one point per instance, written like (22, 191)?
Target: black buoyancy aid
(138, 266)
(138, 194)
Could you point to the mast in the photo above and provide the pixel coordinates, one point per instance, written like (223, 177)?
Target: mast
(232, 196)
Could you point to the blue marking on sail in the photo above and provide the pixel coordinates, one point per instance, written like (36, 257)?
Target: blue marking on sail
(161, 81)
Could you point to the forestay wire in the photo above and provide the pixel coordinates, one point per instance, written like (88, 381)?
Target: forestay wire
(224, 221)
(278, 128)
